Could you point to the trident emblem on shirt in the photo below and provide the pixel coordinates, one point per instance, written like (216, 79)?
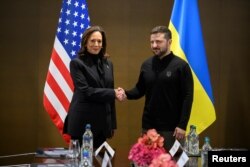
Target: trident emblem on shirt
(168, 74)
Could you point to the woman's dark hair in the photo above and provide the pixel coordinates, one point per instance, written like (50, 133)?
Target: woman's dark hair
(86, 35)
(162, 29)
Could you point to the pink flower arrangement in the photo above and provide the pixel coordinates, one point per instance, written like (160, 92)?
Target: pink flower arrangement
(147, 148)
(163, 160)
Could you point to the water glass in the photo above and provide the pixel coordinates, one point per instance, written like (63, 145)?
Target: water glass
(74, 149)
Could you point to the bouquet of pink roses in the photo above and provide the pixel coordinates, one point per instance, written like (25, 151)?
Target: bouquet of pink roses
(147, 148)
(163, 160)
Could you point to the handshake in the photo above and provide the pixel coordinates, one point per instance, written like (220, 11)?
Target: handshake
(120, 94)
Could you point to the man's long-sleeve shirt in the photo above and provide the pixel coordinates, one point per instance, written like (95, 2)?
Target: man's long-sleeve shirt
(167, 84)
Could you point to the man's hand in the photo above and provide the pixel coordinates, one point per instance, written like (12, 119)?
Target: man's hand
(179, 133)
(120, 94)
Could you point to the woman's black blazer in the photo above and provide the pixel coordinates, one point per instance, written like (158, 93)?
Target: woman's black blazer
(93, 99)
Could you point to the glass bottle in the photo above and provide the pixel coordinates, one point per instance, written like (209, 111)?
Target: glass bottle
(204, 152)
(87, 144)
(193, 142)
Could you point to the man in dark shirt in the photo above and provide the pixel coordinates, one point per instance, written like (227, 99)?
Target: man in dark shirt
(167, 83)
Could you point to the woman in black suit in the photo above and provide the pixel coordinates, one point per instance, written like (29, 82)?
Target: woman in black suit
(94, 95)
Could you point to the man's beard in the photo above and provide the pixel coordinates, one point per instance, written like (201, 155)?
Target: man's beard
(159, 53)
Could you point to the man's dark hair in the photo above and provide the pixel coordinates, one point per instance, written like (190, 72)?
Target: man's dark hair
(162, 29)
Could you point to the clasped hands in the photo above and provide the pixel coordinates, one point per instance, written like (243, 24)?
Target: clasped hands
(120, 94)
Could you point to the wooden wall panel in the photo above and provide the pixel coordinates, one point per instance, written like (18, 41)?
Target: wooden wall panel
(27, 35)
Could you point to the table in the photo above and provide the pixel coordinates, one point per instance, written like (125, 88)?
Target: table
(57, 157)
(42, 160)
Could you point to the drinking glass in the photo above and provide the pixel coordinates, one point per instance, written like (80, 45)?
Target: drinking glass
(74, 149)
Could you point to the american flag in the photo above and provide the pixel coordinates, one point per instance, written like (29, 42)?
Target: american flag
(58, 90)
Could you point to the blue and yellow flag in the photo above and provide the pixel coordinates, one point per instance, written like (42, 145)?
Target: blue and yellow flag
(188, 44)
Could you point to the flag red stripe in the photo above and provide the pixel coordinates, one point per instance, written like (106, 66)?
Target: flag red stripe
(55, 117)
(62, 68)
(53, 113)
(58, 91)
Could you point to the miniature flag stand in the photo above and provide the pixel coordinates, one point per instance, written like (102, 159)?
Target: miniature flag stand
(183, 158)
(104, 159)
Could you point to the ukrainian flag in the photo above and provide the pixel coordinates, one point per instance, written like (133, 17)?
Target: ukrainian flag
(188, 44)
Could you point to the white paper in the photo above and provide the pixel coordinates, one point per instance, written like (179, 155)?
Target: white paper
(106, 160)
(109, 149)
(107, 146)
(182, 160)
(174, 148)
(98, 150)
(56, 152)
